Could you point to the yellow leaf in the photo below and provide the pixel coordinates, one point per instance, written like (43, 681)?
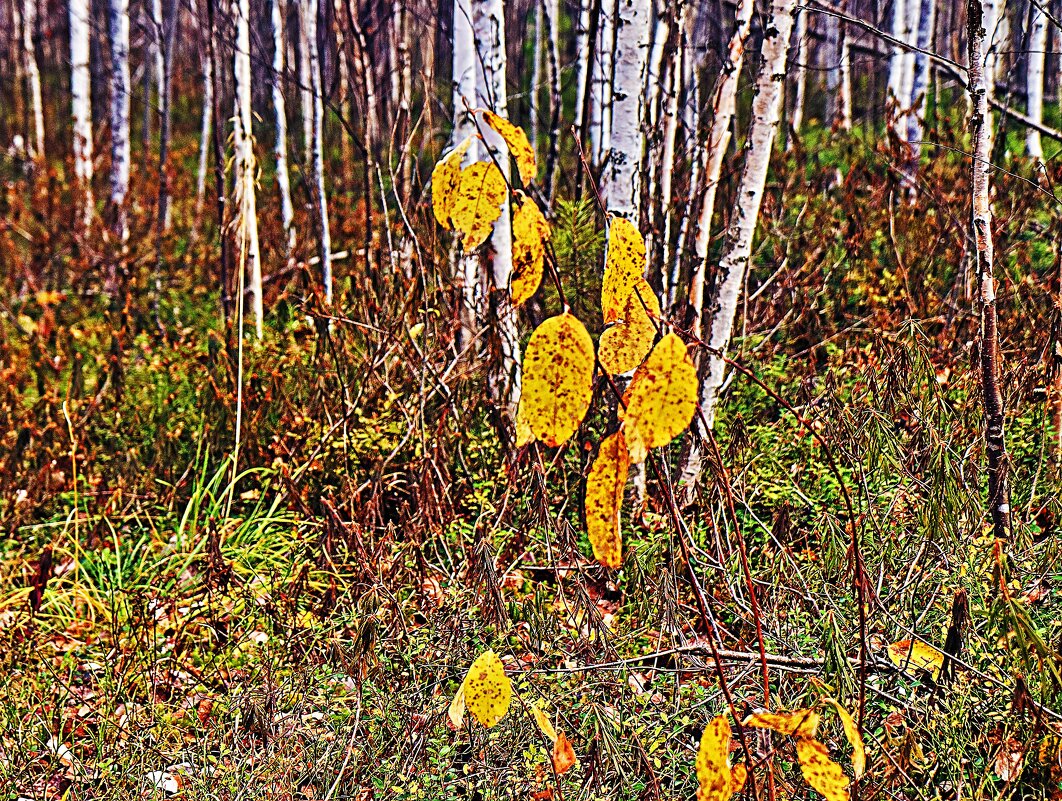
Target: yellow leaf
(604, 497)
(456, 712)
(478, 203)
(516, 140)
(713, 769)
(563, 755)
(798, 723)
(821, 772)
(558, 378)
(524, 434)
(624, 262)
(851, 731)
(623, 347)
(916, 655)
(738, 774)
(445, 181)
(662, 398)
(530, 232)
(487, 689)
(544, 723)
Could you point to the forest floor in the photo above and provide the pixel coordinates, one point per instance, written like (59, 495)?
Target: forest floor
(296, 629)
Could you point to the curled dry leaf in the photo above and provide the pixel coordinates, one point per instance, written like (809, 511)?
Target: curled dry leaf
(821, 772)
(478, 204)
(661, 399)
(558, 379)
(487, 689)
(624, 264)
(624, 345)
(530, 233)
(916, 655)
(604, 498)
(456, 712)
(445, 181)
(798, 723)
(563, 754)
(516, 141)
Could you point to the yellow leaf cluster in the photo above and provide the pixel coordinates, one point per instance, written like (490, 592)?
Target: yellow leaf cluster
(604, 497)
(661, 399)
(716, 780)
(516, 141)
(478, 203)
(486, 692)
(445, 182)
(624, 263)
(530, 233)
(624, 345)
(915, 655)
(558, 380)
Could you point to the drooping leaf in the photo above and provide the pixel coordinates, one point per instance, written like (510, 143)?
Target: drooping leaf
(544, 724)
(916, 655)
(456, 712)
(623, 346)
(530, 233)
(516, 140)
(478, 204)
(445, 181)
(558, 378)
(713, 769)
(488, 690)
(738, 775)
(851, 731)
(624, 263)
(821, 772)
(798, 723)
(604, 497)
(563, 754)
(661, 399)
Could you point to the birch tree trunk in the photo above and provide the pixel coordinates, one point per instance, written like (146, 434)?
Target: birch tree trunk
(536, 75)
(170, 22)
(552, 21)
(668, 276)
(838, 75)
(622, 179)
(204, 136)
(800, 79)
(582, 64)
(280, 117)
(920, 86)
(1034, 78)
(250, 261)
(601, 89)
(737, 250)
(33, 78)
(713, 152)
(983, 254)
(896, 57)
(913, 11)
(309, 23)
(81, 107)
(118, 27)
(305, 87)
(464, 91)
(488, 22)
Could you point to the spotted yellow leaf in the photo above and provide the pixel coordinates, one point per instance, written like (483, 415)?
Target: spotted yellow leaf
(445, 181)
(558, 378)
(798, 723)
(604, 497)
(915, 655)
(530, 233)
(623, 346)
(715, 780)
(516, 141)
(624, 263)
(456, 712)
(524, 434)
(821, 772)
(488, 690)
(738, 775)
(851, 731)
(478, 203)
(661, 399)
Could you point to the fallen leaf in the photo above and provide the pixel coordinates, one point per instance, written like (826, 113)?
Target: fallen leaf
(916, 655)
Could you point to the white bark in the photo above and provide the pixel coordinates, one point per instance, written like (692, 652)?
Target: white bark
(896, 57)
(488, 22)
(838, 75)
(33, 76)
(733, 266)
(582, 63)
(464, 91)
(622, 179)
(118, 25)
(305, 87)
(280, 146)
(536, 75)
(204, 136)
(907, 62)
(654, 77)
(309, 23)
(670, 121)
(800, 79)
(244, 163)
(920, 86)
(601, 83)
(713, 153)
(1034, 79)
(81, 108)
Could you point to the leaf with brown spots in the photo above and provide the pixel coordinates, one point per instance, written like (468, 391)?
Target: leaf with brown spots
(478, 204)
(821, 772)
(604, 497)
(851, 731)
(445, 181)
(798, 723)
(518, 145)
(624, 345)
(714, 778)
(488, 690)
(624, 264)
(530, 233)
(558, 379)
(661, 399)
